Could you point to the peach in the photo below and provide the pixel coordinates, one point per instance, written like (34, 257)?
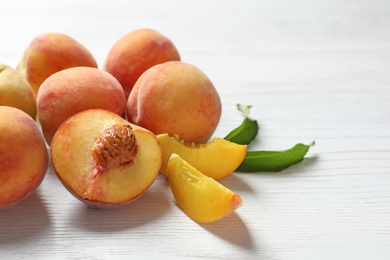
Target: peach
(202, 198)
(23, 156)
(216, 159)
(108, 161)
(16, 92)
(136, 52)
(73, 90)
(175, 98)
(49, 53)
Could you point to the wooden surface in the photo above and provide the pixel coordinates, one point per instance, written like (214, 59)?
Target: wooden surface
(313, 70)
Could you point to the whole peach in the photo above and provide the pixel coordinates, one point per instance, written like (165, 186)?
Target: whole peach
(73, 90)
(175, 98)
(136, 52)
(15, 91)
(23, 156)
(49, 53)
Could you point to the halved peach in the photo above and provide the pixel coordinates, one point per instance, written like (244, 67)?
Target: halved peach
(216, 159)
(103, 160)
(202, 198)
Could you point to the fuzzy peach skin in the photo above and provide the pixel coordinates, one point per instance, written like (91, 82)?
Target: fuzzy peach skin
(15, 91)
(72, 90)
(49, 53)
(23, 156)
(136, 52)
(108, 162)
(175, 98)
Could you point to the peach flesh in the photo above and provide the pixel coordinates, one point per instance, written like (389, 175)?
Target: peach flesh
(23, 156)
(136, 52)
(175, 98)
(109, 162)
(73, 90)
(52, 52)
(202, 198)
(216, 159)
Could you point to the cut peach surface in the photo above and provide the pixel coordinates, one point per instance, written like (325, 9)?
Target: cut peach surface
(104, 160)
(216, 159)
(202, 198)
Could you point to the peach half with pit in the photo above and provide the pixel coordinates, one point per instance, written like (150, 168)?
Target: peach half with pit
(216, 159)
(175, 98)
(202, 198)
(104, 160)
(136, 52)
(73, 90)
(23, 156)
(49, 53)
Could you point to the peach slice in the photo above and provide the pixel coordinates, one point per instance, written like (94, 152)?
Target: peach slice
(202, 198)
(103, 160)
(216, 159)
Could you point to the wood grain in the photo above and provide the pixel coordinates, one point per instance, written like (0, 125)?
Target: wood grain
(312, 71)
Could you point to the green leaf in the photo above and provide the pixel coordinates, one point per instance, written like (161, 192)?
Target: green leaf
(247, 131)
(273, 161)
(244, 109)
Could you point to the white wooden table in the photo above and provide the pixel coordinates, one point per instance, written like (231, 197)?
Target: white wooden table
(313, 70)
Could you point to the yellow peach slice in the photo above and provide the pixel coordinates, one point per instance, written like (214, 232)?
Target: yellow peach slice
(202, 198)
(216, 159)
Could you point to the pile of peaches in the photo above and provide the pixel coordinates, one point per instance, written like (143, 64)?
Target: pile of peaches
(109, 132)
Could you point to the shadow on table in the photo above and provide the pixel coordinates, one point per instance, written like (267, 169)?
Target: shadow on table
(152, 205)
(233, 230)
(236, 183)
(24, 221)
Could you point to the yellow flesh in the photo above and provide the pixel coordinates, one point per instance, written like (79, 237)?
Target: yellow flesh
(216, 159)
(202, 198)
(74, 163)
